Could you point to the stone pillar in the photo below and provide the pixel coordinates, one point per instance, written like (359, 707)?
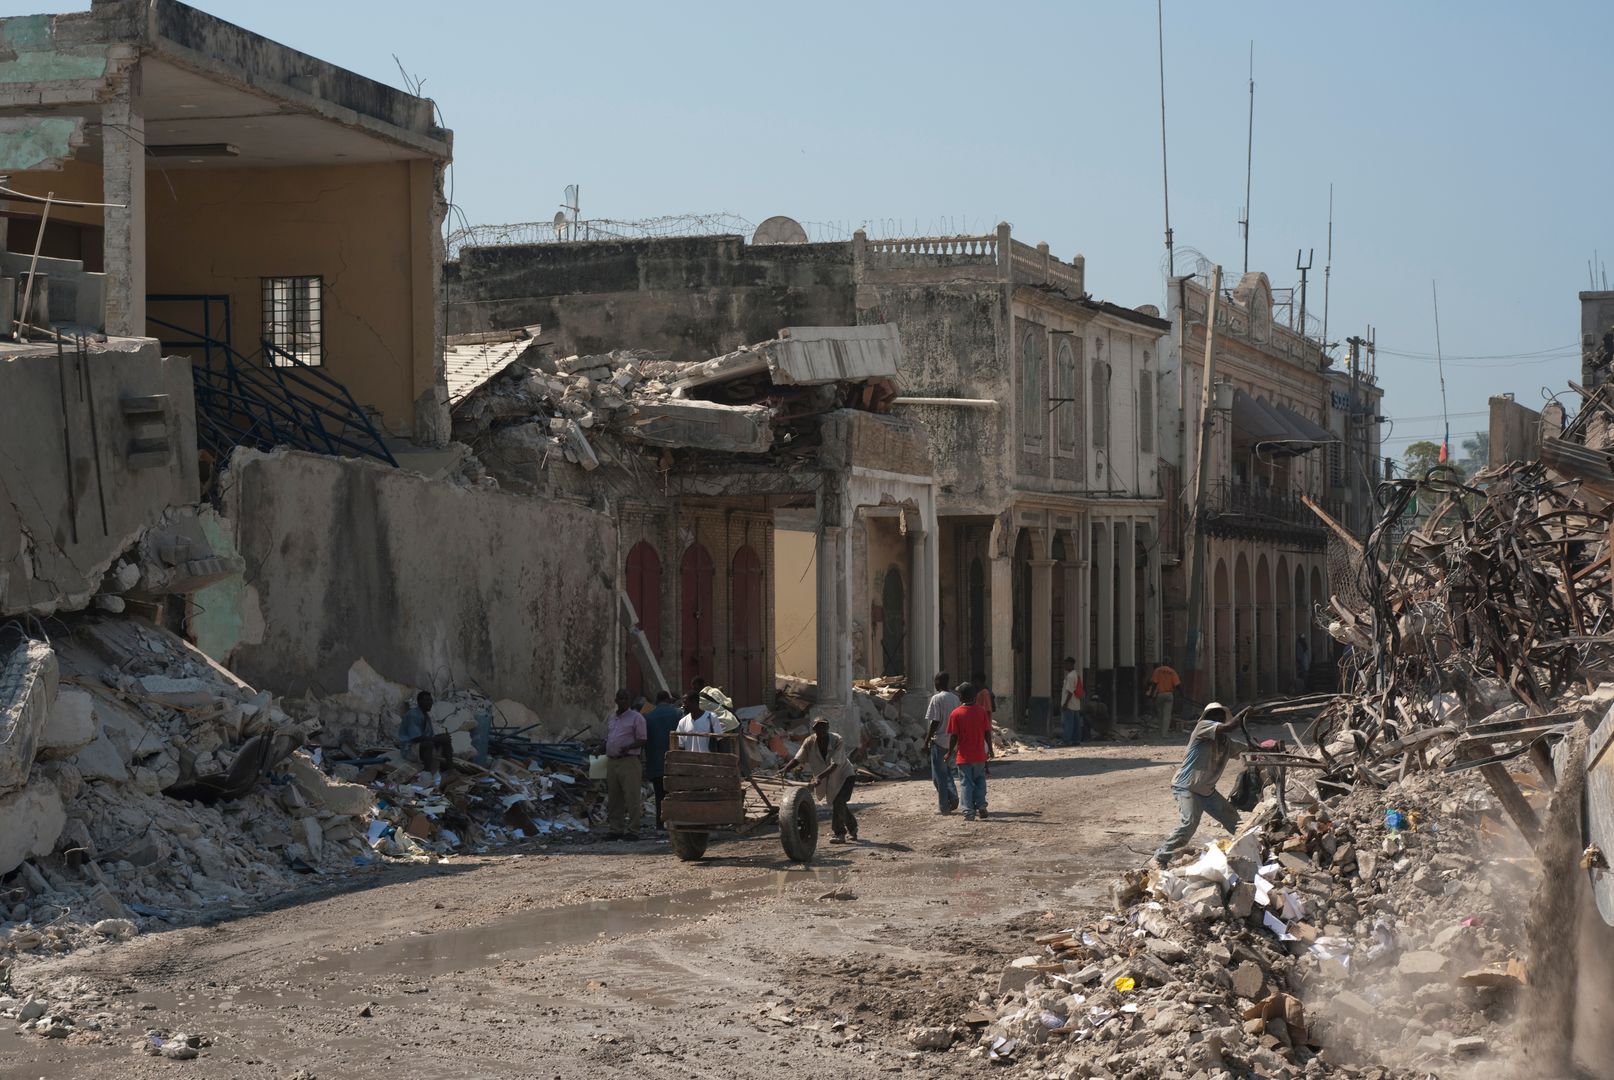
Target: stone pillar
(1042, 642)
(123, 179)
(1153, 599)
(924, 604)
(1104, 561)
(1001, 673)
(833, 562)
(1126, 620)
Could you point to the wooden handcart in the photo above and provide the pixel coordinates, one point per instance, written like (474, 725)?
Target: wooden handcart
(708, 791)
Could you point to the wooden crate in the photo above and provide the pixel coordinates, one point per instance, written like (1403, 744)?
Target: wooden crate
(692, 809)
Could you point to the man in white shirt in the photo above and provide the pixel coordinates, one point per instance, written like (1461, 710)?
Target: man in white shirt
(942, 704)
(698, 720)
(1070, 703)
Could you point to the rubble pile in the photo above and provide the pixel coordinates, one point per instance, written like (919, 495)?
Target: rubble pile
(142, 783)
(1357, 938)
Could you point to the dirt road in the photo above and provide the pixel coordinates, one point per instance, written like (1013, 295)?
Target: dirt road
(616, 960)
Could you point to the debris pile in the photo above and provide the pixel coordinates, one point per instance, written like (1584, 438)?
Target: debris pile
(142, 783)
(1359, 935)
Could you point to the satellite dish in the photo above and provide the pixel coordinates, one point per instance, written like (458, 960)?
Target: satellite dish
(779, 230)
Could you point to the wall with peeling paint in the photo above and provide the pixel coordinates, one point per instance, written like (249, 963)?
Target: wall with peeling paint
(64, 455)
(432, 584)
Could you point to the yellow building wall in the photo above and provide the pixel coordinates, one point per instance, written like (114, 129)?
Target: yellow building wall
(795, 609)
(360, 227)
(77, 181)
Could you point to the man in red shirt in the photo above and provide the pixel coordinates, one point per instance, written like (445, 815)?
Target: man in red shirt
(969, 736)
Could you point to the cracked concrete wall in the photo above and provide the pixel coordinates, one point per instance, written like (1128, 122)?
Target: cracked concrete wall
(64, 451)
(697, 297)
(432, 584)
(221, 231)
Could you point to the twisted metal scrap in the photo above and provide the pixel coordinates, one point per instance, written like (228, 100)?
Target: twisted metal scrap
(1505, 585)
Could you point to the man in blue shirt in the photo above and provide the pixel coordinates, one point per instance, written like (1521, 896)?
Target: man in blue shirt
(659, 724)
(415, 730)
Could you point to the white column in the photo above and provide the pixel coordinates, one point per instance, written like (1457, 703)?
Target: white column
(1104, 560)
(1001, 662)
(833, 564)
(924, 601)
(1126, 602)
(1042, 628)
(123, 173)
(1153, 600)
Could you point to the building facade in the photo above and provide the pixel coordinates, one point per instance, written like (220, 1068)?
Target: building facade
(1292, 434)
(1040, 405)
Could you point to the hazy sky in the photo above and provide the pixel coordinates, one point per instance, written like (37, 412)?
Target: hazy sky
(1467, 142)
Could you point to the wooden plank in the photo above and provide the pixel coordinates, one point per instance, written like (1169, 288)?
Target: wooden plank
(696, 757)
(686, 768)
(1508, 794)
(727, 788)
(685, 812)
(706, 795)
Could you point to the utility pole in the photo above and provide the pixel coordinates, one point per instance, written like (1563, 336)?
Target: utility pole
(1358, 517)
(1197, 544)
(1304, 270)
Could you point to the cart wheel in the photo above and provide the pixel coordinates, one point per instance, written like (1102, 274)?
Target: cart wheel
(798, 825)
(688, 846)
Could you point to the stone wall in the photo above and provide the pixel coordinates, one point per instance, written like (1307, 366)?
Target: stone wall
(433, 585)
(696, 297)
(75, 488)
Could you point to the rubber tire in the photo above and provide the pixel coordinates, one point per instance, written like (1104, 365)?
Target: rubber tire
(687, 844)
(798, 826)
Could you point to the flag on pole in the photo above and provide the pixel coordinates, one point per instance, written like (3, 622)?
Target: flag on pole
(1445, 446)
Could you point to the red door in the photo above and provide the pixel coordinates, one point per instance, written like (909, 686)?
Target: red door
(746, 639)
(696, 639)
(644, 590)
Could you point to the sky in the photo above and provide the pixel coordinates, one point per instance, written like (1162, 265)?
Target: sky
(1466, 142)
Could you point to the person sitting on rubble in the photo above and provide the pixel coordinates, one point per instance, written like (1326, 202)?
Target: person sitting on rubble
(659, 724)
(1194, 787)
(415, 732)
(823, 755)
(698, 721)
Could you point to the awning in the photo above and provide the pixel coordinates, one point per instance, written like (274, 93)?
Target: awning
(1275, 429)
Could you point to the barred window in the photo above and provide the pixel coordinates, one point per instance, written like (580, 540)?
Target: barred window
(294, 319)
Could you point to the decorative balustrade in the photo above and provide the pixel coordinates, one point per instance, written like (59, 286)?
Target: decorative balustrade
(982, 247)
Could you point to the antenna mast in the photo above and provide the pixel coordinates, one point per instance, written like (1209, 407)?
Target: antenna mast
(1328, 263)
(1249, 160)
(1165, 179)
(1440, 366)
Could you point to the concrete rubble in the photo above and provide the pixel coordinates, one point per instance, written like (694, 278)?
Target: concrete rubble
(1330, 944)
(147, 786)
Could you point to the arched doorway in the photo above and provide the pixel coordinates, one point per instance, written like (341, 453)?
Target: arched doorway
(644, 592)
(1221, 657)
(1320, 648)
(894, 626)
(1287, 671)
(1265, 642)
(746, 637)
(977, 620)
(1303, 621)
(1022, 625)
(1243, 631)
(695, 638)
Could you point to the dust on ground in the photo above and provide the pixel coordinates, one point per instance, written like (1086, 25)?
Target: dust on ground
(604, 960)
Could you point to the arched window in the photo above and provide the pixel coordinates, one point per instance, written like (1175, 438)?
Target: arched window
(1033, 413)
(1101, 403)
(1146, 409)
(1067, 390)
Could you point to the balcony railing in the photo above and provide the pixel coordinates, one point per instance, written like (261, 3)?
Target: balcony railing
(1255, 506)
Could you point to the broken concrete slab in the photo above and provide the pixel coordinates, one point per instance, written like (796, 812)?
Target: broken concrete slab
(27, 691)
(704, 425)
(70, 725)
(101, 760)
(323, 791)
(30, 822)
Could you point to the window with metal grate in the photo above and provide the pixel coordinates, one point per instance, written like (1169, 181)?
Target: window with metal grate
(294, 319)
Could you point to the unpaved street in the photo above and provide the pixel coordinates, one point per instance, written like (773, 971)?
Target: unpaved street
(618, 961)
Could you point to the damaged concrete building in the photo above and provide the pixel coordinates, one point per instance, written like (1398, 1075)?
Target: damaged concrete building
(1040, 405)
(695, 461)
(1291, 429)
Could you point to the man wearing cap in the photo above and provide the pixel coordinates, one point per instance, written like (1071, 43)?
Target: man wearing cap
(1194, 787)
(823, 755)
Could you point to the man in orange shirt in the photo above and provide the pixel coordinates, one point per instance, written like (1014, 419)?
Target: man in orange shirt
(969, 736)
(1163, 683)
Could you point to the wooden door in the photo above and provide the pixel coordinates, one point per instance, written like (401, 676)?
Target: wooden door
(747, 641)
(695, 640)
(644, 590)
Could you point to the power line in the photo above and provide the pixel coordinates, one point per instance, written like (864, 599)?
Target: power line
(1573, 347)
